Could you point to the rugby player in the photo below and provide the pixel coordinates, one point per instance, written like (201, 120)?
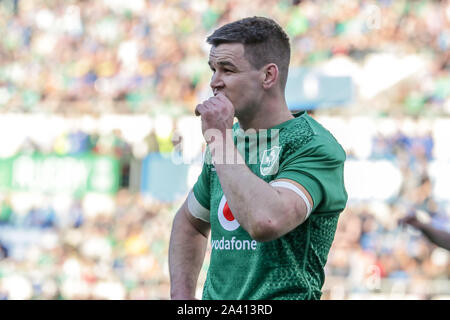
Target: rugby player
(271, 189)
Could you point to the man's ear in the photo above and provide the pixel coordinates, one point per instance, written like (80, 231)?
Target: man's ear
(271, 75)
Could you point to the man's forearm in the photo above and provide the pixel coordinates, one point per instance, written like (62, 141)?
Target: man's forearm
(438, 237)
(249, 197)
(186, 254)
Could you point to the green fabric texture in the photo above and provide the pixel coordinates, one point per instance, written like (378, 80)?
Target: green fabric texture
(292, 266)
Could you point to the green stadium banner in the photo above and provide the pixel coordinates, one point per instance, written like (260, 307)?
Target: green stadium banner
(52, 174)
(5, 174)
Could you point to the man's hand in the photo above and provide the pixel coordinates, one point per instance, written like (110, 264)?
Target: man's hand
(439, 237)
(217, 113)
(411, 220)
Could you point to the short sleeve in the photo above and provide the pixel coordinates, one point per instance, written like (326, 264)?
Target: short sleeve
(318, 166)
(201, 188)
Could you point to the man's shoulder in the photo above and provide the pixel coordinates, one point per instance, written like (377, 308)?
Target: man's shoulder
(305, 134)
(296, 133)
(305, 125)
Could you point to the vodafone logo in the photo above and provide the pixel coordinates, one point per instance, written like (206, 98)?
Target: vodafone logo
(226, 218)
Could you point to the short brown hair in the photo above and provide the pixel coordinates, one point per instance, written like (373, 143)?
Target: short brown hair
(263, 39)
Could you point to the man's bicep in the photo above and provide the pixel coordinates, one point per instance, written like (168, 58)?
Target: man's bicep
(296, 197)
(309, 185)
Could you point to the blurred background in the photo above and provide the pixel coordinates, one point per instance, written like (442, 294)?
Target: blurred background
(100, 146)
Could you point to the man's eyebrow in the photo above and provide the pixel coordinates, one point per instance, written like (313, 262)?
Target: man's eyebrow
(223, 64)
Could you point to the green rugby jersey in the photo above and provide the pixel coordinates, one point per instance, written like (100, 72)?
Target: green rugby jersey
(292, 266)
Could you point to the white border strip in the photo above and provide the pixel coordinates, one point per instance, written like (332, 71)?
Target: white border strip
(288, 185)
(196, 209)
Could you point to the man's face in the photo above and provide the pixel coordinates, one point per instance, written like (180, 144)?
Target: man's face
(234, 76)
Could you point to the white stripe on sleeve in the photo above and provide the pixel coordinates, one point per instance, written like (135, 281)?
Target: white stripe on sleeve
(293, 187)
(196, 209)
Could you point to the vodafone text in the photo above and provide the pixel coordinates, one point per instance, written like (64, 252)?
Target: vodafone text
(233, 244)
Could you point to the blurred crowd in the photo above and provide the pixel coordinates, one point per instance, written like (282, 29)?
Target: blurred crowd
(121, 254)
(96, 57)
(116, 247)
(374, 256)
(137, 56)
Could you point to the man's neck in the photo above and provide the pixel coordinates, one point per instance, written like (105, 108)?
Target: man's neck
(266, 117)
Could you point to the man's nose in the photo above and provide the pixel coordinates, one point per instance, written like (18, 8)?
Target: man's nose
(216, 82)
